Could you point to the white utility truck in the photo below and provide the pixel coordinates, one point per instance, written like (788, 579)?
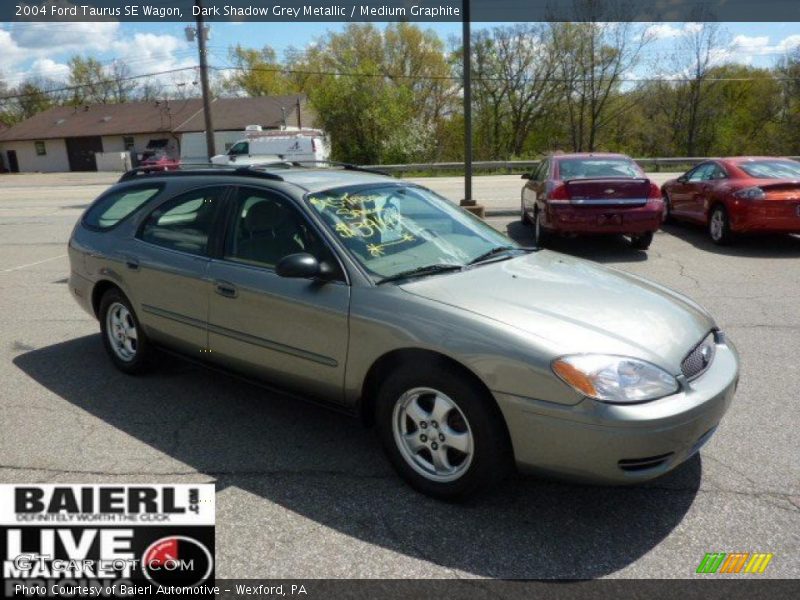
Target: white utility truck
(264, 146)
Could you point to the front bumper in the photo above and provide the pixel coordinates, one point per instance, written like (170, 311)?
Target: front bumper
(605, 443)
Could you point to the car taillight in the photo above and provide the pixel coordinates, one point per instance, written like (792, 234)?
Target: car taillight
(557, 192)
(751, 193)
(655, 192)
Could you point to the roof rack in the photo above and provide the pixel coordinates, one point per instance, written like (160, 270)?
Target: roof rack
(343, 165)
(200, 169)
(253, 170)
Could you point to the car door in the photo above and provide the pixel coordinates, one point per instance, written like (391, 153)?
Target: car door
(293, 332)
(683, 194)
(170, 266)
(712, 175)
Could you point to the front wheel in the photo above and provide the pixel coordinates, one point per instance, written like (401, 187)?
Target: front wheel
(719, 226)
(667, 208)
(642, 241)
(446, 438)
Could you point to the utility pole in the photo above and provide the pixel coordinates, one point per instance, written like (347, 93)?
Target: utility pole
(468, 202)
(202, 34)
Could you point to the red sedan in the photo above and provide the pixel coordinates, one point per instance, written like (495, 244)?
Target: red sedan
(592, 194)
(743, 194)
(158, 161)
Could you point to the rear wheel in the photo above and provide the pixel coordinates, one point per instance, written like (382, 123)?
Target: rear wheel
(123, 337)
(442, 435)
(642, 241)
(539, 232)
(719, 227)
(523, 214)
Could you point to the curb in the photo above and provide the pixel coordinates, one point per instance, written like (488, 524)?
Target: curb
(502, 212)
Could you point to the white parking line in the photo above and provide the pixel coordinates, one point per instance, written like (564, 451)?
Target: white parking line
(33, 264)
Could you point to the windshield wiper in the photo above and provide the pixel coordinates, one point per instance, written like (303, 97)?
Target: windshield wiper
(494, 251)
(419, 271)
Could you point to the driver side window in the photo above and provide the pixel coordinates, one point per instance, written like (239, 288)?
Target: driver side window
(239, 149)
(701, 173)
(266, 228)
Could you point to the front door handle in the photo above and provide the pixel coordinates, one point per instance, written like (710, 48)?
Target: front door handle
(132, 264)
(224, 288)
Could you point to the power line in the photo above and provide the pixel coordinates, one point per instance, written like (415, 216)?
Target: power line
(86, 85)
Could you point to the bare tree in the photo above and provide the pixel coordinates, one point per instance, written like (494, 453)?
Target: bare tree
(118, 75)
(699, 50)
(593, 59)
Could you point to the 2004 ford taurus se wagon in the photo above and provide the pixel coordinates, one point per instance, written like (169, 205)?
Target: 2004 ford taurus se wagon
(468, 352)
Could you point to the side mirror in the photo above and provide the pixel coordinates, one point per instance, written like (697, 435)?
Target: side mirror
(683, 179)
(305, 266)
(232, 158)
(301, 265)
(526, 176)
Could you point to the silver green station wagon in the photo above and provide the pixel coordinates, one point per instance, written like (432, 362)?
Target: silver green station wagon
(469, 353)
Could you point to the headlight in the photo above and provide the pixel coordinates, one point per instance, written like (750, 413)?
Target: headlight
(614, 378)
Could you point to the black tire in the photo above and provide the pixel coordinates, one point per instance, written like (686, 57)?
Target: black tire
(643, 241)
(139, 359)
(719, 226)
(668, 218)
(540, 235)
(523, 214)
(491, 457)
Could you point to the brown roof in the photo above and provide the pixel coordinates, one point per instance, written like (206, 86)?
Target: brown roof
(179, 116)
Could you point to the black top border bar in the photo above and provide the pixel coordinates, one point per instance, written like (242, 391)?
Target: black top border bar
(401, 10)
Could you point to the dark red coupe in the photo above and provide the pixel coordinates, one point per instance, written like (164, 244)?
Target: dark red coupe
(742, 194)
(592, 194)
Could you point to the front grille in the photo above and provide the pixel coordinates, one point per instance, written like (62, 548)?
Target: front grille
(640, 464)
(700, 358)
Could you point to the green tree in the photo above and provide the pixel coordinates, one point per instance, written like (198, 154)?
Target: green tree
(256, 73)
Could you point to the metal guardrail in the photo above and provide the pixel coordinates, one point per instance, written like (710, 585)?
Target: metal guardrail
(655, 164)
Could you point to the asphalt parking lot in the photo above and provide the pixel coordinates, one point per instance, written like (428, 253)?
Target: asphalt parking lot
(303, 492)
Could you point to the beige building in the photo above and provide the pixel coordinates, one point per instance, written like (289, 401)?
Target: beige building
(66, 138)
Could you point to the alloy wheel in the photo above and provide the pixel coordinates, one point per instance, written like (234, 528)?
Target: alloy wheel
(432, 434)
(121, 331)
(716, 225)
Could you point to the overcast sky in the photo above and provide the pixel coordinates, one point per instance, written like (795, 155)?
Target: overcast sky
(44, 48)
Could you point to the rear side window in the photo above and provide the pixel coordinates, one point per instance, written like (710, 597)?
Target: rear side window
(114, 207)
(185, 222)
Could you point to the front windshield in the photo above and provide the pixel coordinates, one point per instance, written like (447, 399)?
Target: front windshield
(771, 169)
(588, 168)
(391, 229)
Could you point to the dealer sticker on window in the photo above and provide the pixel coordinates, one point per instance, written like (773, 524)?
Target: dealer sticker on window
(106, 540)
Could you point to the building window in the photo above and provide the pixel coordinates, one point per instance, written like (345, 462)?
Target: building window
(41, 150)
(127, 141)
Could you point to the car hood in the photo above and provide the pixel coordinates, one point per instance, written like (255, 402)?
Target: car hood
(576, 306)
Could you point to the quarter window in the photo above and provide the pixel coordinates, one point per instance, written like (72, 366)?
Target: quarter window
(112, 208)
(185, 222)
(267, 228)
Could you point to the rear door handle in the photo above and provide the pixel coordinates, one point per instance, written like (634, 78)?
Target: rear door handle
(132, 264)
(224, 288)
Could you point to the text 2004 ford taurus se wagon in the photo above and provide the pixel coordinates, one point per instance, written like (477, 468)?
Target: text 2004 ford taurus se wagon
(468, 352)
